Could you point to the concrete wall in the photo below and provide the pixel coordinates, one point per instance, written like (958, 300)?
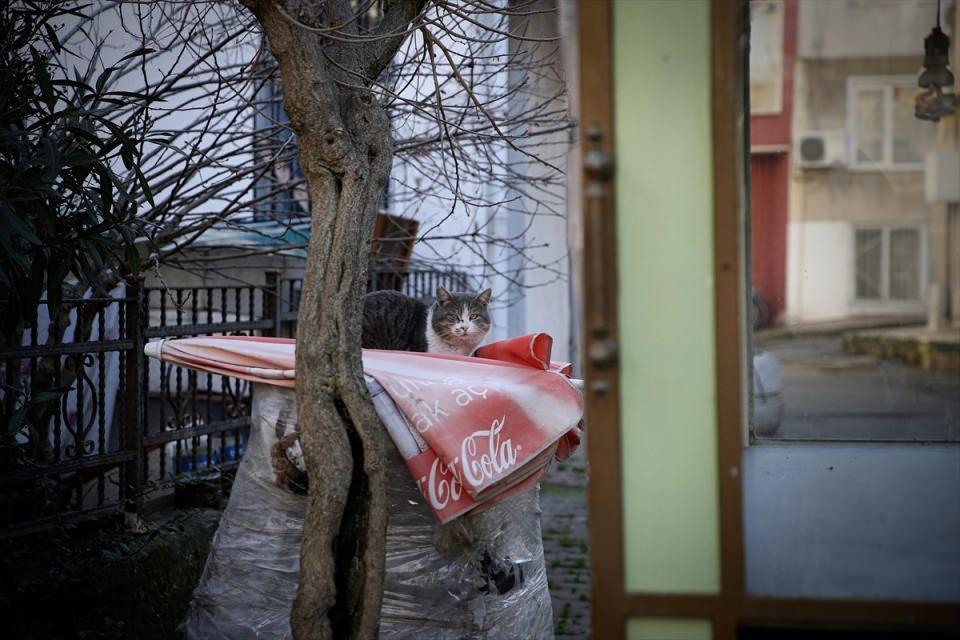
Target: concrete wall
(836, 41)
(849, 28)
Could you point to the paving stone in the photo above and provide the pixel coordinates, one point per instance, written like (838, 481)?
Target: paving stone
(563, 498)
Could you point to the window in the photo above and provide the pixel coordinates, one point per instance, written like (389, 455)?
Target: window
(889, 264)
(280, 192)
(884, 134)
(766, 57)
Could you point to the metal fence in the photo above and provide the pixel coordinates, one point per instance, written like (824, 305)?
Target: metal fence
(417, 283)
(66, 396)
(94, 427)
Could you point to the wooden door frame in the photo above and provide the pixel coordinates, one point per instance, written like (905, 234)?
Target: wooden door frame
(732, 608)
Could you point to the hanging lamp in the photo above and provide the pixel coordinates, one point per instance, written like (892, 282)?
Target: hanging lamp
(937, 99)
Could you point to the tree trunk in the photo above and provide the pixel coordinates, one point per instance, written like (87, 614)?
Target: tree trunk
(345, 147)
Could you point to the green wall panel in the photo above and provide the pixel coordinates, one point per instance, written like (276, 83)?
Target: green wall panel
(668, 629)
(665, 250)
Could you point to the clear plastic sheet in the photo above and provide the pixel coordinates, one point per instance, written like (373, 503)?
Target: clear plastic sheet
(480, 576)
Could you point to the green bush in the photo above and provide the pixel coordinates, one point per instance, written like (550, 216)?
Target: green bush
(70, 178)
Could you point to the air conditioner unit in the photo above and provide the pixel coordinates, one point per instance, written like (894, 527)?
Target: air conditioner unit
(819, 150)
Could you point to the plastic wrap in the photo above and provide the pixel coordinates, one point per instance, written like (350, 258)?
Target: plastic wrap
(480, 576)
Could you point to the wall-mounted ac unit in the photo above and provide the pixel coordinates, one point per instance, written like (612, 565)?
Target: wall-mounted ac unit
(818, 149)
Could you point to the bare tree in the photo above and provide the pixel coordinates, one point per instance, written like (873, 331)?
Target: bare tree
(332, 71)
(346, 150)
(463, 101)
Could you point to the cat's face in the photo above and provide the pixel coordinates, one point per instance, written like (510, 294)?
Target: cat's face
(461, 320)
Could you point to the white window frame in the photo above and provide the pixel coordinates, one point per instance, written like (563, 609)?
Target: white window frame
(886, 84)
(884, 302)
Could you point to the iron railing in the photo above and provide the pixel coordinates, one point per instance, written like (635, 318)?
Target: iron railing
(417, 283)
(66, 403)
(93, 427)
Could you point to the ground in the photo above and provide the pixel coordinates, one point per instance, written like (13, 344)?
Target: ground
(862, 438)
(829, 395)
(563, 497)
(95, 579)
(853, 520)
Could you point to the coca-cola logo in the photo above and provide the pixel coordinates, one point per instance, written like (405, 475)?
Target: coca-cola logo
(442, 486)
(479, 463)
(484, 456)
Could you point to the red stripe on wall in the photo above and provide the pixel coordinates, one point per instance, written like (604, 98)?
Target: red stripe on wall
(768, 239)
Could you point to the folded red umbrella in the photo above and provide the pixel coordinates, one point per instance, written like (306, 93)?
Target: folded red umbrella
(470, 428)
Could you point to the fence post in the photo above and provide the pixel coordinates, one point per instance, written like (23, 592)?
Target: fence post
(271, 302)
(136, 318)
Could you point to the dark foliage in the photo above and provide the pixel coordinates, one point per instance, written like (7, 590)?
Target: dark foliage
(69, 174)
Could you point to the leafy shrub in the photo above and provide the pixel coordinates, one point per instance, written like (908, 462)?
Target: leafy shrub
(70, 179)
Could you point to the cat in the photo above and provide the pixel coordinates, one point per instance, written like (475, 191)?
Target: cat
(454, 324)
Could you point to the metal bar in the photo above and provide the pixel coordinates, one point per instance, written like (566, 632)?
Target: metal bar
(163, 309)
(190, 432)
(208, 390)
(37, 497)
(271, 306)
(236, 432)
(185, 287)
(47, 522)
(39, 351)
(135, 407)
(206, 329)
(93, 299)
(178, 417)
(79, 464)
(251, 306)
(164, 390)
(142, 392)
(58, 407)
(79, 427)
(122, 396)
(13, 386)
(101, 408)
(192, 385)
(223, 318)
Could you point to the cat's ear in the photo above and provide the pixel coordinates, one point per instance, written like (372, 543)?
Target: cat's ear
(443, 296)
(484, 297)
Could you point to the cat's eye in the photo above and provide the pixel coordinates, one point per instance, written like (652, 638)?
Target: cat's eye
(474, 316)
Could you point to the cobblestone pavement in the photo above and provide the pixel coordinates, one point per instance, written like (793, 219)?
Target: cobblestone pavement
(563, 498)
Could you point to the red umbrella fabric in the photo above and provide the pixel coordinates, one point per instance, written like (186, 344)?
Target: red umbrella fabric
(471, 429)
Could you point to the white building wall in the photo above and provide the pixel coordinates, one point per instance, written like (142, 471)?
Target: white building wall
(864, 28)
(839, 40)
(526, 298)
(542, 304)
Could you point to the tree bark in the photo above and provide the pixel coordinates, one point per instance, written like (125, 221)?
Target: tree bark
(345, 146)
